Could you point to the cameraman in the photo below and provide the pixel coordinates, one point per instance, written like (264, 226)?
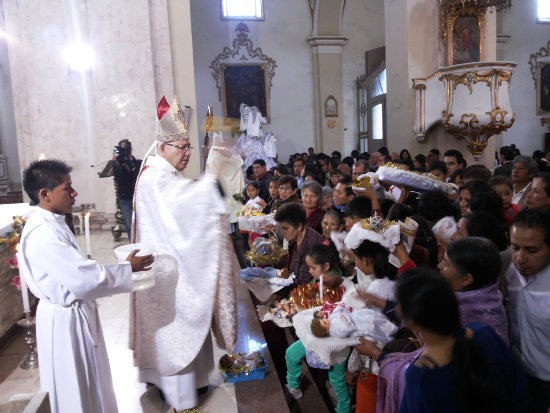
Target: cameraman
(126, 170)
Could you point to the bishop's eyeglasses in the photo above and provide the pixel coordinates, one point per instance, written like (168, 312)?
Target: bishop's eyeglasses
(183, 148)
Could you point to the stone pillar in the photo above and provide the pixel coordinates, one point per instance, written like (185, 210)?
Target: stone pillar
(328, 81)
(412, 50)
(184, 75)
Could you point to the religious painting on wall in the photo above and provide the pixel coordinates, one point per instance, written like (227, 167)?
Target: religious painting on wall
(543, 88)
(464, 33)
(244, 84)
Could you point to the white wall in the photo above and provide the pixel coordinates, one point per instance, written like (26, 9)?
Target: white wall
(526, 37)
(364, 27)
(283, 37)
(79, 118)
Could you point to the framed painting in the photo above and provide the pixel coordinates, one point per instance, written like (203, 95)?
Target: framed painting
(543, 88)
(244, 84)
(465, 34)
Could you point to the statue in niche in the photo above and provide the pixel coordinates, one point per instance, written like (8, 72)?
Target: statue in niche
(331, 107)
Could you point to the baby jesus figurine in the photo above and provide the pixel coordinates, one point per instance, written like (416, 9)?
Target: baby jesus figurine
(343, 322)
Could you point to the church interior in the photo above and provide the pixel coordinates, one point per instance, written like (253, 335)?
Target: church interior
(78, 76)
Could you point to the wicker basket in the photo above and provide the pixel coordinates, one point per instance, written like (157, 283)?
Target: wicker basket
(266, 252)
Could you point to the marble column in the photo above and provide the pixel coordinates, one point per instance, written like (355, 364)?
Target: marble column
(184, 76)
(328, 81)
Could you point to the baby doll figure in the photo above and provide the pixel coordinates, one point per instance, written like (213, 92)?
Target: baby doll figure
(345, 322)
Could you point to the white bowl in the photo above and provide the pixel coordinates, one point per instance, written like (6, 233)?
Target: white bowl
(143, 280)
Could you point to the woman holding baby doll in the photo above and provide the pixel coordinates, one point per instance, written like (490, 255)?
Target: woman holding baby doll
(372, 259)
(323, 261)
(471, 267)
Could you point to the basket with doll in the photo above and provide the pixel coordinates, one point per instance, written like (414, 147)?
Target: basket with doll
(265, 251)
(243, 367)
(392, 174)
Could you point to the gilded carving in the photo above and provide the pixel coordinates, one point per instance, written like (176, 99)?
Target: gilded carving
(242, 49)
(469, 79)
(504, 76)
(534, 60)
(469, 123)
(470, 127)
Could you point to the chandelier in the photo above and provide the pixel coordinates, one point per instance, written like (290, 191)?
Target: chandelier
(497, 4)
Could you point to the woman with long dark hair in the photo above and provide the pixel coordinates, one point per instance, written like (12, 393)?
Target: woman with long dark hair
(461, 369)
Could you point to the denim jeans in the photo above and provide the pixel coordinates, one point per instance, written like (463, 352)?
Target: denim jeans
(126, 209)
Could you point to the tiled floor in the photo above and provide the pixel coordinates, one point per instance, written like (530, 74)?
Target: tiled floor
(132, 396)
(264, 396)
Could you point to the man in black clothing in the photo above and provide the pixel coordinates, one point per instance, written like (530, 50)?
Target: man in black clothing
(262, 177)
(506, 157)
(126, 170)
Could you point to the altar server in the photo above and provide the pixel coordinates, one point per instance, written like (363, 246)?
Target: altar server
(171, 322)
(74, 367)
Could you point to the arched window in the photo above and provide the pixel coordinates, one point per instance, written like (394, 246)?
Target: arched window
(543, 11)
(242, 9)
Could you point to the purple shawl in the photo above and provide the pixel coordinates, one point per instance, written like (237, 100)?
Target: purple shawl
(484, 306)
(391, 380)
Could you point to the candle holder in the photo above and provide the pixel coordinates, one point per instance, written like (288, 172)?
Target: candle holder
(31, 359)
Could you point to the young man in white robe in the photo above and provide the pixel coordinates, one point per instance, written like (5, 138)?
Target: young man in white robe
(185, 221)
(74, 367)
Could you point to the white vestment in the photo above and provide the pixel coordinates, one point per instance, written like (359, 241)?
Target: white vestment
(74, 367)
(170, 323)
(230, 177)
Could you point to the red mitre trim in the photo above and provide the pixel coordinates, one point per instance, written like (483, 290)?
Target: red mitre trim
(162, 108)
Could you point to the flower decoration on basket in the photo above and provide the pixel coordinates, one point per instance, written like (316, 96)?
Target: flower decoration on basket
(16, 280)
(363, 182)
(13, 236)
(243, 367)
(307, 295)
(11, 239)
(368, 180)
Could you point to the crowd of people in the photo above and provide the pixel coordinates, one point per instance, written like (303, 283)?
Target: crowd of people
(456, 321)
(470, 301)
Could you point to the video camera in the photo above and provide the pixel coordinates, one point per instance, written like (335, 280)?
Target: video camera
(122, 153)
